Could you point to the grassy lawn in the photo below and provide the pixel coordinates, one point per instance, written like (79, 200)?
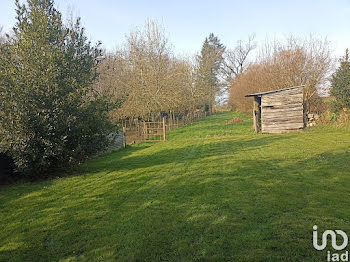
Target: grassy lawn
(211, 192)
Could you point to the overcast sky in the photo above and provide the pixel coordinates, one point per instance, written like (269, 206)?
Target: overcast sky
(187, 22)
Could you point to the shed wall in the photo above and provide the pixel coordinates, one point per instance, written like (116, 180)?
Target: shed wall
(282, 111)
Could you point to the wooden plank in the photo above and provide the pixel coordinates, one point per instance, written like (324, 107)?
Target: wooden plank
(290, 122)
(124, 137)
(282, 112)
(283, 116)
(279, 131)
(285, 122)
(281, 104)
(283, 125)
(282, 109)
(286, 92)
(271, 130)
(254, 119)
(283, 97)
(284, 103)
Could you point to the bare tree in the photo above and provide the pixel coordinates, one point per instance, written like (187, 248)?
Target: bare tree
(145, 79)
(279, 65)
(236, 60)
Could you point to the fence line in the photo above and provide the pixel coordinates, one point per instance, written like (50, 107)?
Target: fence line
(137, 131)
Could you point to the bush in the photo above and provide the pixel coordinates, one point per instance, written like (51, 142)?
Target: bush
(296, 62)
(6, 167)
(335, 107)
(318, 105)
(49, 115)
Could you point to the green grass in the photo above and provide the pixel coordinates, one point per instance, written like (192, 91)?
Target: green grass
(211, 192)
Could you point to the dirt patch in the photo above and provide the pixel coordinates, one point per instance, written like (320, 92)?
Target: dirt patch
(234, 120)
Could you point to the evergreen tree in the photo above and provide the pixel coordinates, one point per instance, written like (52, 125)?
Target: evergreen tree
(48, 115)
(341, 82)
(210, 61)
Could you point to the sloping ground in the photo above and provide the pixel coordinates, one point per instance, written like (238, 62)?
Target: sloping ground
(212, 192)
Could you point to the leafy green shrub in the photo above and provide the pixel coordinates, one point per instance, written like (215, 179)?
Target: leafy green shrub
(49, 115)
(335, 106)
(6, 167)
(334, 117)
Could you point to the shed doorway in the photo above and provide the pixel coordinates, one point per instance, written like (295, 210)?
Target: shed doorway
(257, 114)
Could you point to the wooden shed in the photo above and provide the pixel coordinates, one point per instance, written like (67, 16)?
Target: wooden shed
(278, 111)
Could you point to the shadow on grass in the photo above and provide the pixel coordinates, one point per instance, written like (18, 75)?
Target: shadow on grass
(124, 159)
(260, 210)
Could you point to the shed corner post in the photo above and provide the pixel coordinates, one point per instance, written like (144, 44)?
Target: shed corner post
(164, 130)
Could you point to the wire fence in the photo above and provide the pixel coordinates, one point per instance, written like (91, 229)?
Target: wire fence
(138, 131)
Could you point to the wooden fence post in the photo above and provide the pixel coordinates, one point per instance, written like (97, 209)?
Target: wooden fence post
(124, 137)
(144, 130)
(169, 120)
(164, 131)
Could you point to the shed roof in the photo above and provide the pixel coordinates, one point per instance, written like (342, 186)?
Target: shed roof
(274, 91)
